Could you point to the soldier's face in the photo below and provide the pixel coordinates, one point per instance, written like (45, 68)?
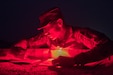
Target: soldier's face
(53, 31)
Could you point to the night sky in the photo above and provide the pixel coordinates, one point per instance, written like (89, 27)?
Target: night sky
(19, 19)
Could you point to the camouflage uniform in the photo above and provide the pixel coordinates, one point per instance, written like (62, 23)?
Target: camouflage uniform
(96, 44)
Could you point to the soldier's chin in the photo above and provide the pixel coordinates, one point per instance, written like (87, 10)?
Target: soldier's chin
(52, 38)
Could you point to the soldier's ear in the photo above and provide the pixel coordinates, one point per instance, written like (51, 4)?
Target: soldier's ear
(60, 22)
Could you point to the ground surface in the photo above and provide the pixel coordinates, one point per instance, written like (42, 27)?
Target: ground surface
(9, 68)
(14, 66)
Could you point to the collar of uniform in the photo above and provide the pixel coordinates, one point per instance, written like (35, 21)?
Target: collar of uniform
(67, 35)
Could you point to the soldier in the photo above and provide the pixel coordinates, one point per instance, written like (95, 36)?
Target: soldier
(83, 45)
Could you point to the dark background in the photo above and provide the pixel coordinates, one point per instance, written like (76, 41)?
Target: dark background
(19, 18)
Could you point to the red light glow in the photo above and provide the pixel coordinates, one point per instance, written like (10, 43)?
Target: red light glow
(59, 51)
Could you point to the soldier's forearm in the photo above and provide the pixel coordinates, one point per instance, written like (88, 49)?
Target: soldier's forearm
(100, 52)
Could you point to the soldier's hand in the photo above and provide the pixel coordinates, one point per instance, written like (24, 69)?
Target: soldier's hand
(63, 61)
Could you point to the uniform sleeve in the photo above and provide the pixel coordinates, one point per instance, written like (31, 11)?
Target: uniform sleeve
(21, 44)
(38, 41)
(97, 42)
(33, 42)
(89, 37)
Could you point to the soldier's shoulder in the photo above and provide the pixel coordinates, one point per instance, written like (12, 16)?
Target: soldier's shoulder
(77, 28)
